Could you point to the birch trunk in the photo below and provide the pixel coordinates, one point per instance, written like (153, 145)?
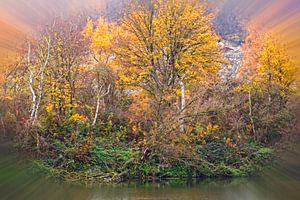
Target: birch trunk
(37, 95)
(97, 110)
(31, 86)
(41, 81)
(182, 105)
(99, 97)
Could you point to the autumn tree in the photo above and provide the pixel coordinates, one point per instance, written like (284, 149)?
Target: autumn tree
(166, 48)
(268, 75)
(67, 55)
(101, 48)
(26, 79)
(276, 69)
(37, 70)
(267, 63)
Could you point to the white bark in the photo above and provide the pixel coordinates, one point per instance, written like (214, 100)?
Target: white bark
(183, 102)
(33, 95)
(41, 81)
(182, 105)
(99, 97)
(31, 86)
(37, 94)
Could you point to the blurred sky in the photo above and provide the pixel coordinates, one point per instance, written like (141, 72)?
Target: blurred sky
(19, 17)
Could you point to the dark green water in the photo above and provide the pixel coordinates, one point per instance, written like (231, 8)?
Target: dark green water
(282, 182)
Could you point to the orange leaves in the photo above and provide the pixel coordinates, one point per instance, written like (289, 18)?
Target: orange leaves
(230, 143)
(139, 111)
(275, 66)
(266, 63)
(251, 49)
(101, 37)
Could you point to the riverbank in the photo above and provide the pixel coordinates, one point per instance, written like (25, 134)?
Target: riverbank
(113, 164)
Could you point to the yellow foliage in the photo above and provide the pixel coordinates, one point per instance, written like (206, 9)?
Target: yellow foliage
(101, 38)
(275, 66)
(78, 118)
(210, 130)
(272, 66)
(89, 29)
(176, 42)
(49, 107)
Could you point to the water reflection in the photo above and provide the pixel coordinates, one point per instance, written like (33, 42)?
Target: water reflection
(281, 182)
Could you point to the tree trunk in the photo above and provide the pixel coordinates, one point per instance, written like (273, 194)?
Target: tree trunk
(31, 86)
(251, 114)
(182, 105)
(99, 97)
(37, 95)
(97, 111)
(41, 81)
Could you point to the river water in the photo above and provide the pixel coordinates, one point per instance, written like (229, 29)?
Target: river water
(281, 182)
